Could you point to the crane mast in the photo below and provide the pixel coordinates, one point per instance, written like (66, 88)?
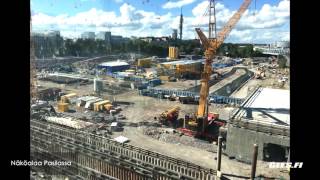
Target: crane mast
(211, 45)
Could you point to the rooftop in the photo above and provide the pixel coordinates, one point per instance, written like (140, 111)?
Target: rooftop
(114, 63)
(269, 106)
(181, 62)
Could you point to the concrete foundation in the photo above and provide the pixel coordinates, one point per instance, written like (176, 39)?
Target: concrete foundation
(240, 142)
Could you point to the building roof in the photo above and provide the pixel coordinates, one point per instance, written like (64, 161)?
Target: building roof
(272, 98)
(114, 63)
(87, 98)
(182, 62)
(269, 106)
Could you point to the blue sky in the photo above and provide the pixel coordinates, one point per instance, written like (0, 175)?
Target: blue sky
(157, 17)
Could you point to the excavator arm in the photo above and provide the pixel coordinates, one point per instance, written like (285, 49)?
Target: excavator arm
(211, 46)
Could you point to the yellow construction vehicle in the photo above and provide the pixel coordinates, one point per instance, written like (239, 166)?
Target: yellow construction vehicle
(170, 116)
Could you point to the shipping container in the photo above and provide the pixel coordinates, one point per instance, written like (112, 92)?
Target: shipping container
(63, 107)
(99, 106)
(154, 82)
(146, 63)
(164, 78)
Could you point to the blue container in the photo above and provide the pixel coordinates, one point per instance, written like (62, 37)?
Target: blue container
(140, 87)
(154, 82)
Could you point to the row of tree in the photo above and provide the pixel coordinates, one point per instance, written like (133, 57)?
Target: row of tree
(89, 48)
(236, 50)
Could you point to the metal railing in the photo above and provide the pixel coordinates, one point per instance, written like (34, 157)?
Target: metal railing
(159, 93)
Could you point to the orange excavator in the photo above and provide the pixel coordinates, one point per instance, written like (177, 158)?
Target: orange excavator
(211, 44)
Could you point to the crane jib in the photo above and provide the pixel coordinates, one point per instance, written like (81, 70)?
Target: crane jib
(211, 47)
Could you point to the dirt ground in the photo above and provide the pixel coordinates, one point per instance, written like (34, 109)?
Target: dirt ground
(179, 85)
(270, 81)
(144, 108)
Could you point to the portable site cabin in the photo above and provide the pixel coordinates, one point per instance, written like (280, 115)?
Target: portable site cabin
(91, 102)
(99, 106)
(83, 100)
(65, 98)
(63, 107)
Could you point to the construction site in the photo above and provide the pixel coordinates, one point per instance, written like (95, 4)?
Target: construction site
(122, 117)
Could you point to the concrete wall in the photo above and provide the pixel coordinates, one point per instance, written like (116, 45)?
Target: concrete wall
(240, 142)
(228, 89)
(234, 84)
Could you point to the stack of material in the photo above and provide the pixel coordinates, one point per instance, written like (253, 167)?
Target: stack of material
(176, 137)
(63, 107)
(49, 94)
(68, 121)
(99, 106)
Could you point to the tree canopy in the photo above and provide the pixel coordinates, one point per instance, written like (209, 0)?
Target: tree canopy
(90, 48)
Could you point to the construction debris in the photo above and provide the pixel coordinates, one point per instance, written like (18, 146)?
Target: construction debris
(175, 137)
(68, 121)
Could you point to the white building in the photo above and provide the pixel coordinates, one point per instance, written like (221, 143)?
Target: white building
(88, 35)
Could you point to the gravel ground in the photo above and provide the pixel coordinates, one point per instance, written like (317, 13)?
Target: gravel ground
(175, 137)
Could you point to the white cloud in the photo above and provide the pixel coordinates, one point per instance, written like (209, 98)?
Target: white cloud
(269, 24)
(177, 4)
(200, 8)
(250, 27)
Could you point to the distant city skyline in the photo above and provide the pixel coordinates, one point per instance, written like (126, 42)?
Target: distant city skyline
(270, 22)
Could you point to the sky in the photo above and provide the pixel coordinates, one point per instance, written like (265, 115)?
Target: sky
(265, 21)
